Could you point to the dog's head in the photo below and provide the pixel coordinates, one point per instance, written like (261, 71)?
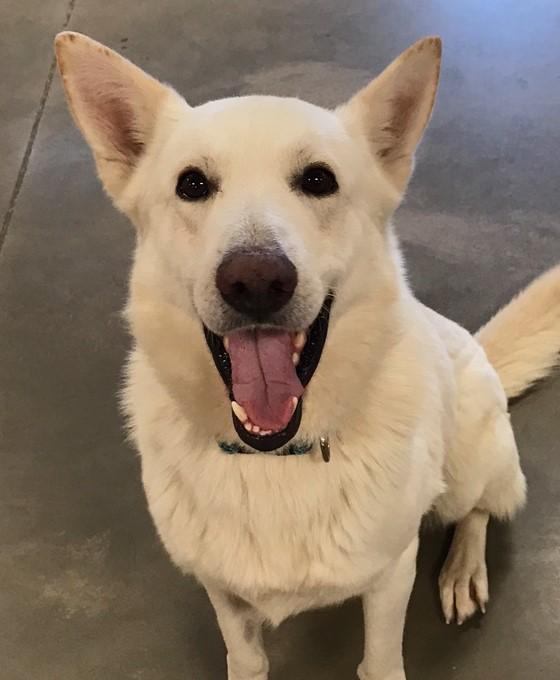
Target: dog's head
(258, 219)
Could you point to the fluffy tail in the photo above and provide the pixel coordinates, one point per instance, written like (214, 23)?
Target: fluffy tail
(522, 341)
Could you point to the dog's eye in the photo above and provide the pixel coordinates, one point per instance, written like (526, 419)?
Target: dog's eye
(317, 180)
(193, 185)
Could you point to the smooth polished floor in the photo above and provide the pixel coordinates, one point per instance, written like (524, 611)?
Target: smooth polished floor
(86, 591)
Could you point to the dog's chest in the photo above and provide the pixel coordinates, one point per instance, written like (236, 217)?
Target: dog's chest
(291, 533)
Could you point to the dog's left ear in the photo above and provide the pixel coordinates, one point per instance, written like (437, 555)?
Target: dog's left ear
(393, 110)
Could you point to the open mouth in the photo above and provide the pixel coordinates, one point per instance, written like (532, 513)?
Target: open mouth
(266, 371)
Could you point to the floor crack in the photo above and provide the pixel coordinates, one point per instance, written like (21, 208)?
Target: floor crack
(31, 141)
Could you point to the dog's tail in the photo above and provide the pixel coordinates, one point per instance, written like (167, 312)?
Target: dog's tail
(522, 341)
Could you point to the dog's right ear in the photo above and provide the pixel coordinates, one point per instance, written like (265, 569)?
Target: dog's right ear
(114, 103)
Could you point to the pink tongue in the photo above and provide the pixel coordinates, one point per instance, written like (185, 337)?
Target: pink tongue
(264, 376)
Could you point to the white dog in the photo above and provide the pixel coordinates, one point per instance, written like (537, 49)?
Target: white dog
(274, 329)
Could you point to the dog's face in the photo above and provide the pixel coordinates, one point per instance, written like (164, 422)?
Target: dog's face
(256, 216)
(252, 201)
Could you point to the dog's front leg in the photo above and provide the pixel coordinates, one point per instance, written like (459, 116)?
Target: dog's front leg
(384, 615)
(241, 628)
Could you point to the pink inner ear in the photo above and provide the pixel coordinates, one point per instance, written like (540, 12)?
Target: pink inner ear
(106, 97)
(116, 121)
(402, 109)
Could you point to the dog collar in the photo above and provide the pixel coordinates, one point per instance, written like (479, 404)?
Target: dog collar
(295, 449)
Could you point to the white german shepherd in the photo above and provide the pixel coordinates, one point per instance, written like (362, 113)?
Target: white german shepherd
(274, 329)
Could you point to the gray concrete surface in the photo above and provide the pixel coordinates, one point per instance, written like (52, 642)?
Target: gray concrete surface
(25, 61)
(86, 591)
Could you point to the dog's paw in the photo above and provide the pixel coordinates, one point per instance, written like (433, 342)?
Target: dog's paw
(247, 676)
(463, 584)
(241, 671)
(395, 675)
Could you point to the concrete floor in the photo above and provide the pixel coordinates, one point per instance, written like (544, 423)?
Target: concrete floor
(86, 591)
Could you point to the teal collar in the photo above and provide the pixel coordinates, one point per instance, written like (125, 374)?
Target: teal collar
(295, 449)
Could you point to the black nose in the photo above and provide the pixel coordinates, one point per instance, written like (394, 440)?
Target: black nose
(256, 282)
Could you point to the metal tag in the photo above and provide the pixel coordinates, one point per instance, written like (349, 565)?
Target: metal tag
(325, 445)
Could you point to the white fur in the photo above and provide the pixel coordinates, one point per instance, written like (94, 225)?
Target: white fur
(523, 339)
(416, 415)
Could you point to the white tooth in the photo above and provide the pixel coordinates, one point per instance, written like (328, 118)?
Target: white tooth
(248, 427)
(266, 432)
(300, 340)
(295, 358)
(226, 343)
(239, 411)
(294, 404)
(256, 429)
